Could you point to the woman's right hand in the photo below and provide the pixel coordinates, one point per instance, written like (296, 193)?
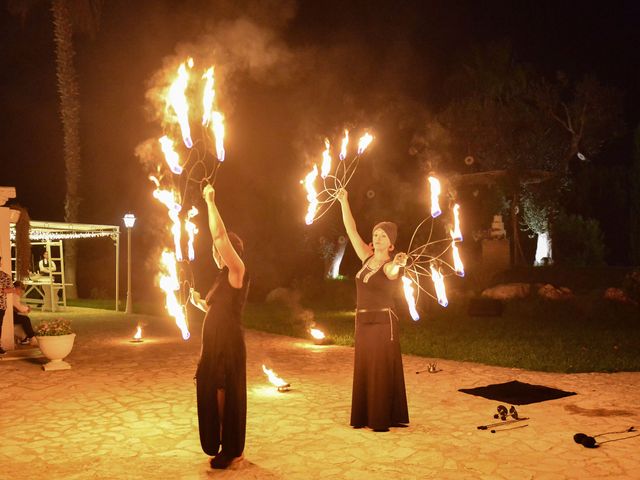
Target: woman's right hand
(209, 194)
(341, 195)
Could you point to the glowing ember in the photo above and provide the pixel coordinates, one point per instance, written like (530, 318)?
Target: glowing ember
(326, 159)
(208, 95)
(364, 142)
(281, 385)
(408, 295)
(434, 183)
(438, 283)
(191, 229)
(170, 285)
(217, 126)
(138, 334)
(311, 195)
(456, 233)
(170, 155)
(457, 261)
(345, 142)
(177, 99)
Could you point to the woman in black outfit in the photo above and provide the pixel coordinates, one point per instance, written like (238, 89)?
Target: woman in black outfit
(221, 374)
(379, 399)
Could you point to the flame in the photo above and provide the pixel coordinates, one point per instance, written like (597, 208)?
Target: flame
(457, 261)
(343, 147)
(170, 284)
(364, 142)
(311, 195)
(138, 335)
(191, 229)
(438, 282)
(326, 159)
(177, 99)
(408, 295)
(217, 127)
(170, 155)
(208, 95)
(317, 334)
(273, 378)
(168, 198)
(456, 233)
(434, 183)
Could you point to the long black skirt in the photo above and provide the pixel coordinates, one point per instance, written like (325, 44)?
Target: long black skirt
(226, 372)
(379, 399)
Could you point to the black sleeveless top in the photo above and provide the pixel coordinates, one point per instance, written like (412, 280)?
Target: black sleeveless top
(374, 289)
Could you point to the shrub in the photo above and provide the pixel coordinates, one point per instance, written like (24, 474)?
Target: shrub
(577, 241)
(54, 327)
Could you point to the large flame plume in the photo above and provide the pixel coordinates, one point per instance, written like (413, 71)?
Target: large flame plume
(364, 142)
(312, 196)
(326, 159)
(407, 285)
(177, 99)
(438, 283)
(344, 144)
(170, 285)
(456, 233)
(434, 184)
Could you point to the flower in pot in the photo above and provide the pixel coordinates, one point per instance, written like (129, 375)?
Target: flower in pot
(55, 340)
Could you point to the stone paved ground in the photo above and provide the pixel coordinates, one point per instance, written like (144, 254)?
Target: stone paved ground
(127, 411)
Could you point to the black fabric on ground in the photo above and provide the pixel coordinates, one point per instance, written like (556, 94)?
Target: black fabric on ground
(517, 393)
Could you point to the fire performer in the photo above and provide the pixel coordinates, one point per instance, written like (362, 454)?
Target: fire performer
(379, 399)
(221, 374)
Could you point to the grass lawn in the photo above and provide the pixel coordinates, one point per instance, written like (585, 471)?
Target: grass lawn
(587, 334)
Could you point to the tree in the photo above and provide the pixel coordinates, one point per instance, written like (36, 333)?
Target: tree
(525, 130)
(69, 17)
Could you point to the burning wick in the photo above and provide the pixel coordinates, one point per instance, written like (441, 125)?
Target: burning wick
(280, 384)
(137, 338)
(319, 338)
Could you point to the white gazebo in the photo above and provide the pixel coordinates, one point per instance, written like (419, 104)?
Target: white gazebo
(43, 289)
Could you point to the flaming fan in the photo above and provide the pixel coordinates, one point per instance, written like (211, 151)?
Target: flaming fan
(320, 202)
(431, 259)
(191, 159)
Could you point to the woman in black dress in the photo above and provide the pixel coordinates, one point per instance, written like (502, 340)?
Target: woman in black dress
(379, 399)
(221, 375)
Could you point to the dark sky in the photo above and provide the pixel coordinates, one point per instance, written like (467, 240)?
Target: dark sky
(308, 68)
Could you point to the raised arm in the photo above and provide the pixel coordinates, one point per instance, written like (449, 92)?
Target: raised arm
(363, 250)
(221, 240)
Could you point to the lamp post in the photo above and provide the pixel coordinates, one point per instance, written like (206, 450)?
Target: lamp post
(129, 222)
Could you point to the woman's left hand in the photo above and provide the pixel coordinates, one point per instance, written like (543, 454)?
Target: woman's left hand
(209, 194)
(400, 259)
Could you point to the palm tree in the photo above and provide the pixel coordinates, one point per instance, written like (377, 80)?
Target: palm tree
(69, 17)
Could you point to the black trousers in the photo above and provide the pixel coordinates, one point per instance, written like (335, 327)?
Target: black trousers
(22, 320)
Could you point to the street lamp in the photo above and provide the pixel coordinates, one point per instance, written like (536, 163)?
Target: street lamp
(129, 222)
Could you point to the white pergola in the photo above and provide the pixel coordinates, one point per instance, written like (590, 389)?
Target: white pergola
(52, 234)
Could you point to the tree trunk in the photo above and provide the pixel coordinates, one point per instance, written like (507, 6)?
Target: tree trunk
(544, 251)
(517, 257)
(70, 114)
(332, 262)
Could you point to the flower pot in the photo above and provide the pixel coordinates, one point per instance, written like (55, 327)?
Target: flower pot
(56, 348)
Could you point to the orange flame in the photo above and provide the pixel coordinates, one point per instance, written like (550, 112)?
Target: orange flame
(208, 95)
(191, 229)
(170, 155)
(456, 233)
(457, 261)
(438, 283)
(317, 334)
(168, 198)
(434, 183)
(177, 99)
(217, 127)
(408, 295)
(326, 159)
(364, 142)
(138, 334)
(170, 284)
(273, 378)
(343, 147)
(311, 195)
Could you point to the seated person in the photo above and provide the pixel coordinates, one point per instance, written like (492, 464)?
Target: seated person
(46, 266)
(19, 313)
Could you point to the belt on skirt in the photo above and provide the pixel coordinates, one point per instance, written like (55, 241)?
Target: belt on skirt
(387, 310)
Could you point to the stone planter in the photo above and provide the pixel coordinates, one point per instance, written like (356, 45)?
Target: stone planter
(56, 348)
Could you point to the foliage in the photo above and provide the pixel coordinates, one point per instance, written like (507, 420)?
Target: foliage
(578, 241)
(54, 327)
(631, 285)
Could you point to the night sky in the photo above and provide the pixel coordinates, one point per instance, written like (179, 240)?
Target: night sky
(293, 73)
